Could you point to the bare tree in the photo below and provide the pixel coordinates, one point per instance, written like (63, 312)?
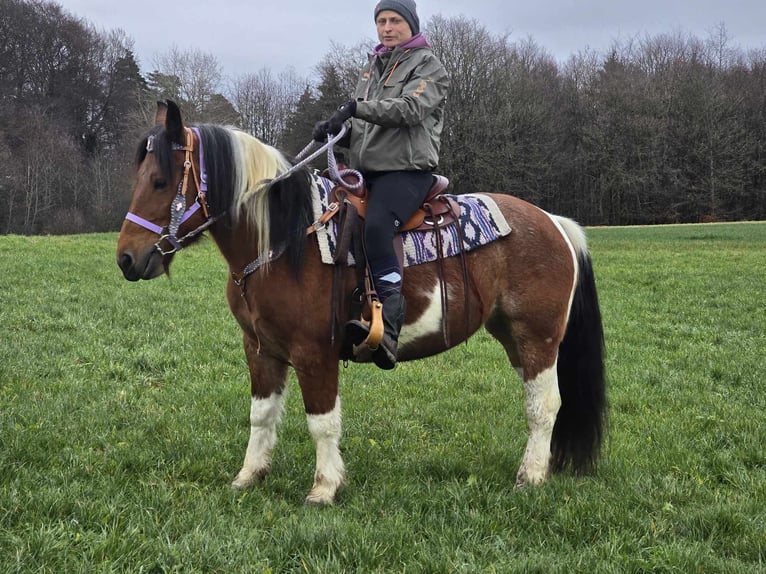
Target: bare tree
(198, 75)
(344, 63)
(474, 60)
(66, 93)
(264, 103)
(659, 128)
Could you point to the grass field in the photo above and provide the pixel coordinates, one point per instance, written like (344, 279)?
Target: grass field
(124, 417)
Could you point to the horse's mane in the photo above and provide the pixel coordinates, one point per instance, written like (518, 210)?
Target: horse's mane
(238, 166)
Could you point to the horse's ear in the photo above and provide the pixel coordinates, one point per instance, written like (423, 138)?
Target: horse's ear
(162, 112)
(174, 125)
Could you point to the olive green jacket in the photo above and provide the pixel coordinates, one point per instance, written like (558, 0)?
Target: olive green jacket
(399, 112)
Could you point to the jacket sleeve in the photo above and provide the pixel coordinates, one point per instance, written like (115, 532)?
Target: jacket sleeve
(421, 92)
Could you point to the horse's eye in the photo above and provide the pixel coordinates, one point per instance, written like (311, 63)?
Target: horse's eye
(159, 184)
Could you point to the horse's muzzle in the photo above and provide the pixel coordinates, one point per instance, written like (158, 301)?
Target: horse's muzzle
(147, 267)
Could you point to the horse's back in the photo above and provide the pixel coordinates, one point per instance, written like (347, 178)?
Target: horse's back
(537, 237)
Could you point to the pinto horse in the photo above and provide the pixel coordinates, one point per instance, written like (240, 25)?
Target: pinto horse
(533, 290)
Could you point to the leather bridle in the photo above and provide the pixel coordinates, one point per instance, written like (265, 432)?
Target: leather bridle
(178, 212)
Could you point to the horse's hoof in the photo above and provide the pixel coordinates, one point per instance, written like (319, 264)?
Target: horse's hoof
(238, 484)
(319, 501)
(320, 498)
(246, 479)
(324, 493)
(524, 479)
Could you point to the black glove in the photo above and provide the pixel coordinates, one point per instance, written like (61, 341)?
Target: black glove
(319, 133)
(333, 126)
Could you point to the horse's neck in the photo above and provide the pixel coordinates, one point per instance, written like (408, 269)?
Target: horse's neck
(238, 245)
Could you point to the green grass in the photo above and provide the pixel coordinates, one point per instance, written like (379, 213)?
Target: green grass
(124, 417)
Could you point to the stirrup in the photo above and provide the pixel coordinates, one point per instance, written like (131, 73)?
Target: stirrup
(376, 326)
(363, 334)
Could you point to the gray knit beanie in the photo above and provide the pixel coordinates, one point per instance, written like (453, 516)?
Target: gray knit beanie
(406, 8)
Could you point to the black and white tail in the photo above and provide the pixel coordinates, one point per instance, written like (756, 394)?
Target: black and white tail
(580, 424)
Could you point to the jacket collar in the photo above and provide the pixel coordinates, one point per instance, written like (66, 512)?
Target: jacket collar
(417, 41)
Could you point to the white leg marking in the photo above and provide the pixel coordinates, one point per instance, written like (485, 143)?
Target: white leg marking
(265, 415)
(543, 402)
(330, 473)
(429, 322)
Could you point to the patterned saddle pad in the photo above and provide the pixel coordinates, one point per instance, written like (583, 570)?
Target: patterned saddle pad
(480, 220)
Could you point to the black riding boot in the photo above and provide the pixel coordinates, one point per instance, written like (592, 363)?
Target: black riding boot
(384, 356)
(394, 309)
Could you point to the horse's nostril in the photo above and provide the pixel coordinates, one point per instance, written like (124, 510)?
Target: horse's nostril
(125, 261)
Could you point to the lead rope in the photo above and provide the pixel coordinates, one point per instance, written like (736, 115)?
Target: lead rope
(304, 159)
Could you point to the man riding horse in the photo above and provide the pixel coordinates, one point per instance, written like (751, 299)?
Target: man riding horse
(394, 135)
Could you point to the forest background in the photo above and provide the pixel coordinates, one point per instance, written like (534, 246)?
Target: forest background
(661, 129)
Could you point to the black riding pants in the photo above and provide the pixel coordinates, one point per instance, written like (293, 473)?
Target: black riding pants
(393, 197)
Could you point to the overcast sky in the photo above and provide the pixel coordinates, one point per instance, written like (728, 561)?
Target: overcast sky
(248, 35)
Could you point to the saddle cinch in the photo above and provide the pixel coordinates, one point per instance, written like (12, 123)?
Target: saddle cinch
(436, 211)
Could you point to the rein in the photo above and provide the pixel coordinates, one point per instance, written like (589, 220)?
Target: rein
(178, 212)
(332, 165)
(304, 157)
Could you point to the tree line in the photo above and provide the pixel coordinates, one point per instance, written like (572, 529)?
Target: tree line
(659, 129)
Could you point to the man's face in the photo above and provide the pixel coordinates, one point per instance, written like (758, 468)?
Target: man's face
(392, 28)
